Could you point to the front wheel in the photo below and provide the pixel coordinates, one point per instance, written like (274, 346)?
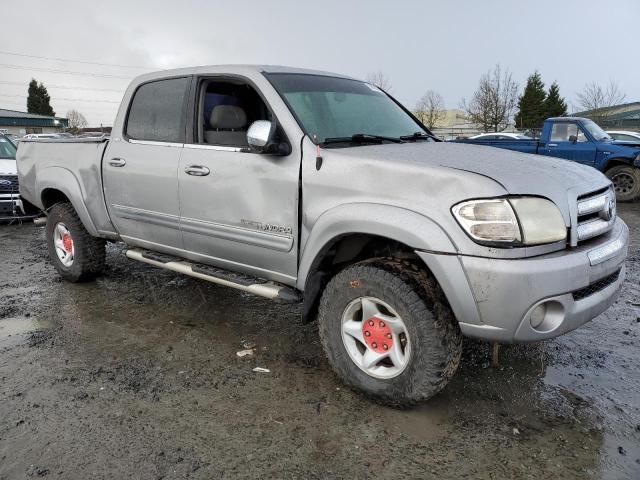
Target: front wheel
(389, 332)
(626, 181)
(73, 251)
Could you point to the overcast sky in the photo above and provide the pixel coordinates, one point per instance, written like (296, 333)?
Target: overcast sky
(419, 45)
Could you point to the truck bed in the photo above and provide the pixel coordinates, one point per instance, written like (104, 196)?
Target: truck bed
(72, 166)
(524, 146)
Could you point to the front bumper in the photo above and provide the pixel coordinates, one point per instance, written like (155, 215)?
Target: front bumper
(493, 299)
(11, 207)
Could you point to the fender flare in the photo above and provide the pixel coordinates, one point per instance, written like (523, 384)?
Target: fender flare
(609, 160)
(395, 223)
(63, 180)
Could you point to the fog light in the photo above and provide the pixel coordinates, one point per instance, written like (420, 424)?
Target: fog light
(538, 314)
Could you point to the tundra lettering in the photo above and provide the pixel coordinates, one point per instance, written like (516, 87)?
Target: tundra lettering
(268, 227)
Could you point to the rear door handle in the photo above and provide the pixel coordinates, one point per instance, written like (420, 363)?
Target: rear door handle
(197, 170)
(117, 162)
(552, 145)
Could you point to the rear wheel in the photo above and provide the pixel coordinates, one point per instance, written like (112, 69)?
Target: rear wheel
(626, 181)
(73, 251)
(389, 332)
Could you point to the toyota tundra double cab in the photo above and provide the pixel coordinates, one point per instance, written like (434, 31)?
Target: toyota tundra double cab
(313, 187)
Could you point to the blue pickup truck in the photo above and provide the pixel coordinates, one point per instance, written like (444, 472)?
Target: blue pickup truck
(581, 140)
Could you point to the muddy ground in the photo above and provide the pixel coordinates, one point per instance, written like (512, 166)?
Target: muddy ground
(135, 375)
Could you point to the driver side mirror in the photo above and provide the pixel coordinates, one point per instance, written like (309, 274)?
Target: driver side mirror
(262, 138)
(573, 138)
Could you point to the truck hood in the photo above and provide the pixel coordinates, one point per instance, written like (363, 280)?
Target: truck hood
(517, 173)
(627, 143)
(630, 149)
(8, 166)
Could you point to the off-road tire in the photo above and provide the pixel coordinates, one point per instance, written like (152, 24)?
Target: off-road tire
(436, 341)
(630, 172)
(89, 259)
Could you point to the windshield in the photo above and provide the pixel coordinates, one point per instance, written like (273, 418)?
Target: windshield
(596, 132)
(331, 107)
(7, 149)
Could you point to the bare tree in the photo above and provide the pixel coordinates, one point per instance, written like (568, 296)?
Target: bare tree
(379, 79)
(494, 102)
(597, 100)
(77, 121)
(430, 109)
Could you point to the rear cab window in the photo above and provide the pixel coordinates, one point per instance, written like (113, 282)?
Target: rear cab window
(157, 111)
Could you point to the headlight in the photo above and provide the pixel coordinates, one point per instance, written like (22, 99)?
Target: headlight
(511, 222)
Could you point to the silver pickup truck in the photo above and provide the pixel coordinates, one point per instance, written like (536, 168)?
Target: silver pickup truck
(306, 186)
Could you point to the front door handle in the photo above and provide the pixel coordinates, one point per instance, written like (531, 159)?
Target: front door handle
(551, 145)
(117, 162)
(197, 170)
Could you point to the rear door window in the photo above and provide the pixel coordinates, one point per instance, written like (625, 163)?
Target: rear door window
(157, 111)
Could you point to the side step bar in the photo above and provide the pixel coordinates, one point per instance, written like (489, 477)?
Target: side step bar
(239, 281)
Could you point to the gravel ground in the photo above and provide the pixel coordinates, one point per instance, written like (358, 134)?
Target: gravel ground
(136, 375)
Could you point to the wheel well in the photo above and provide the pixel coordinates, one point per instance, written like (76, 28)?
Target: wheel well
(615, 162)
(346, 250)
(51, 196)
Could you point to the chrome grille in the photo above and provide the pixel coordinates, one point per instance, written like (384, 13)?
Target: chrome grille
(8, 184)
(596, 214)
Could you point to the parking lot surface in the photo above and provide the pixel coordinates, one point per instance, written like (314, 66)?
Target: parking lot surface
(135, 375)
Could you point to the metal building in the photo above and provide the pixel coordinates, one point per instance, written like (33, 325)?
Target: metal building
(21, 123)
(620, 117)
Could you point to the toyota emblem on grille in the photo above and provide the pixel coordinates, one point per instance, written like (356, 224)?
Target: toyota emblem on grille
(5, 182)
(610, 210)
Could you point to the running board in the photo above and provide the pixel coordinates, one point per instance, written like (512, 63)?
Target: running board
(239, 281)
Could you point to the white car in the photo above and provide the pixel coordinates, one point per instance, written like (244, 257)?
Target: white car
(31, 136)
(624, 135)
(500, 136)
(12, 207)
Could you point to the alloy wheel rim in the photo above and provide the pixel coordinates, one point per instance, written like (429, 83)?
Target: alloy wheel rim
(375, 337)
(63, 244)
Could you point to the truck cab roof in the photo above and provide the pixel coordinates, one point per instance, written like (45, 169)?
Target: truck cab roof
(238, 69)
(565, 119)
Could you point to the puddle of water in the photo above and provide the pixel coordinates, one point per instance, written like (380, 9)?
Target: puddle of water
(19, 325)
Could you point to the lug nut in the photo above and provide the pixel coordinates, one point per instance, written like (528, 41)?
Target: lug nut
(367, 333)
(385, 346)
(374, 345)
(388, 335)
(371, 323)
(381, 324)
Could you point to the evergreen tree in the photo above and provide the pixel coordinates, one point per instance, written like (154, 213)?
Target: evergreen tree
(554, 105)
(531, 111)
(38, 100)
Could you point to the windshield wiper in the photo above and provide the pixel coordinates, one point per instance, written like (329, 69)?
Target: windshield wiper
(362, 138)
(418, 136)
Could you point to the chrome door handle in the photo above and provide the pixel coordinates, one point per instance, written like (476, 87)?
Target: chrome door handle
(117, 162)
(197, 170)
(552, 144)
